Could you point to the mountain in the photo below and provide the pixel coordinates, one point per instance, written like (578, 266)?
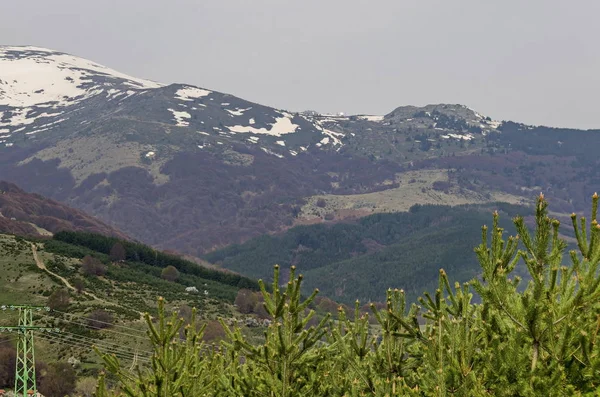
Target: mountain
(44, 90)
(192, 169)
(31, 214)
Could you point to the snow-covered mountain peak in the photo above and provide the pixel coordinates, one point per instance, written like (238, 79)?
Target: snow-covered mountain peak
(41, 89)
(48, 95)
(33, 76)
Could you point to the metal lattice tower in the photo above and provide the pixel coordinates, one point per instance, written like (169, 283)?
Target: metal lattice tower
(25, 369)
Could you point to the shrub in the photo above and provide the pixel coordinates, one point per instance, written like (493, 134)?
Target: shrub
(86, 387)
(59, 380)
(327, 305)
(117, 253)
(260, 311)
(214, 331)
(245, 301)
(442, 186)
(100, 319)
(169, 273)
(91, 266)
(185, 312)
(8, 357)
(79, 285)
(59, 300)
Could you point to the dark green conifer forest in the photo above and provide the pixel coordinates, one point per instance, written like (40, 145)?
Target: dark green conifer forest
(534, 340)
(361, 259)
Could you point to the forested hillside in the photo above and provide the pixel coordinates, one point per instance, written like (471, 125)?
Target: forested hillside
(360, 260)
(75, 244)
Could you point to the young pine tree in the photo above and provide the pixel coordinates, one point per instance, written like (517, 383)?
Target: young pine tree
(287, 363)
(178, 367)
(543, 339)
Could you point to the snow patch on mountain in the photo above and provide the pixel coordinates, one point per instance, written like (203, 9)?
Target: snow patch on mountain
(32, 76)
(20, 117)
(282, 125)
(272, 153)
(190, 93)
(466, 137)
(114, 93)
(335, 136)
(371, 118)
(180, 118)
(238, 111)
(494, 124)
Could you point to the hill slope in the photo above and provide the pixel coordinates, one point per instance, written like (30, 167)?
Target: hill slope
(102, 305)
(30, 214)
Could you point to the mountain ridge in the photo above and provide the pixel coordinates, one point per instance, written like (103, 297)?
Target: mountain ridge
(69, 80)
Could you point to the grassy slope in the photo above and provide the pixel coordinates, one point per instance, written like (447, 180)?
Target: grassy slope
(126, 290)
(20, 280)
(415, 187)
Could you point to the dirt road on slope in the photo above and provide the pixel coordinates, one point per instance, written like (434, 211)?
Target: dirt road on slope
(40, 264)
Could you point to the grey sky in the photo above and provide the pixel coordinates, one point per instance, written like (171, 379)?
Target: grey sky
(535, 61)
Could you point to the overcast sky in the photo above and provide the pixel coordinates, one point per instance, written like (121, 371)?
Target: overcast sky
(534, 61)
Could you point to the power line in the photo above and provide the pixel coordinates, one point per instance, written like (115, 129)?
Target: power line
(99, 321)
(95, 328)
(100, 342)
(76, 344)
(67, 336)
(124, 356)
(86, 346)
(52, 339)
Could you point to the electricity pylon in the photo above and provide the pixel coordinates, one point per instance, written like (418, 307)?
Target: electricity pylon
(25, 368)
